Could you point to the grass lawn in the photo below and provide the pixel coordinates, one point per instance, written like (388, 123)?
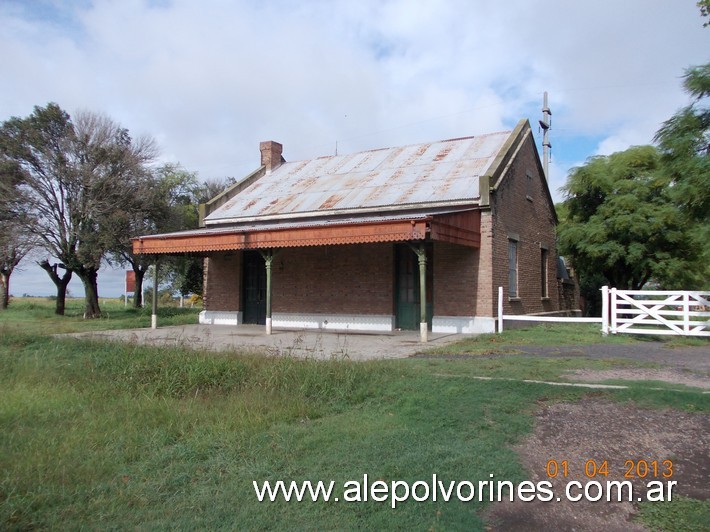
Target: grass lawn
(569, 334)
(35, 315)
(105, 435)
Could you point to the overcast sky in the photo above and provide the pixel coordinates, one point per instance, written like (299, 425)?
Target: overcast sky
(210, 79)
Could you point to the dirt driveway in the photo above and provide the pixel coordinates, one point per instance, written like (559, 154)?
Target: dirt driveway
(691, 358)
(689, 366)
(620, 434)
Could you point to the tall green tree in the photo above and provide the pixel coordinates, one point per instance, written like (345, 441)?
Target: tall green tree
(167, 204)
(622, 223)
(15, 244)
(24, 147)
(76, 175)
(684, 141)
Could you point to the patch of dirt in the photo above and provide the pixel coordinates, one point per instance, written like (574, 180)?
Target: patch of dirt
(602, 430)
(671, 375)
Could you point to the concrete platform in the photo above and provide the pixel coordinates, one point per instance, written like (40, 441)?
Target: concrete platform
(296, 343)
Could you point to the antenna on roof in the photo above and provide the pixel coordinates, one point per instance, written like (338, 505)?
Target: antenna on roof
(336, 147)
(546, 124)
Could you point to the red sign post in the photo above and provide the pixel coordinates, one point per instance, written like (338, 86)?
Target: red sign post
(130, 285)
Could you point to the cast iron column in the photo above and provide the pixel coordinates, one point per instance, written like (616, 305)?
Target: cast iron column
(268, 259)
(423, 328)
(154, 315)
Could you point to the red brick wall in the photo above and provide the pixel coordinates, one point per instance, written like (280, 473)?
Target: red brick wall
(329, 279)
(351, 279)
(223, 282)
(456, 270)
(521, 208)
(346, 280)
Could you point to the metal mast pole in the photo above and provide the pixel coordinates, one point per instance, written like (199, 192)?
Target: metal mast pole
(545, 124)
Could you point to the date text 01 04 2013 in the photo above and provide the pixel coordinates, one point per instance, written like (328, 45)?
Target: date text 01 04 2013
(600, 468)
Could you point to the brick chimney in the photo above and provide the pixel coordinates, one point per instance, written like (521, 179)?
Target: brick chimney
(271, 155)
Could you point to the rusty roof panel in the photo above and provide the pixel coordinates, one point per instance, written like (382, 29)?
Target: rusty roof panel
(313, 222)
(439, 172)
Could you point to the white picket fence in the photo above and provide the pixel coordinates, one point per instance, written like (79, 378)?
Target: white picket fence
(659, 312)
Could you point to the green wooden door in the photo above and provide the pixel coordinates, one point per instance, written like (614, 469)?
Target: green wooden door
(407, 291)
(254, 292)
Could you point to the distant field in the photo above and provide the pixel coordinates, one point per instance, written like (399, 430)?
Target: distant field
(108, 435)
(36, 315)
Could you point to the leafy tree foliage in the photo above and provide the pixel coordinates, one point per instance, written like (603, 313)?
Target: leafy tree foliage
(184, 273)
(78, 177)
(15, 244)
(623, 225)
(644, 214)
(170, 200)
(153, 216)
(26, 146)
(167, 207)
(684, 141)
(704, 6)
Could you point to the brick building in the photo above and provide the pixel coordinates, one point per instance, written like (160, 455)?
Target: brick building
(414, 237)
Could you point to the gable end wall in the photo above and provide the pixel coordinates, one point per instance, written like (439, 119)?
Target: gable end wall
(522, 209)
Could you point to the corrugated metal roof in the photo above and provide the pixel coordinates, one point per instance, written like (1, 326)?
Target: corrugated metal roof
(313, 222)
(407, 176)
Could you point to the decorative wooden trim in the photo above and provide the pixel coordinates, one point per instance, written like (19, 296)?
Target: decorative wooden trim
(463, 228)
(206, 242)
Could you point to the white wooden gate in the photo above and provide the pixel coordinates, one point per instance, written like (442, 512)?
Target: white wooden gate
(685, 313)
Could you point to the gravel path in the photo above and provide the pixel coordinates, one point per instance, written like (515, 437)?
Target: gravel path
(692, 358)
(602, 430)
(689, 366)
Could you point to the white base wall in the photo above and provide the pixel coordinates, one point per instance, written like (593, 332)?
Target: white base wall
(335, 322)
(353, 322)
(220, 317)
(463, 324)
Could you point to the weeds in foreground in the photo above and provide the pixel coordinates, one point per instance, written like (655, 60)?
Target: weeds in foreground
(300, 348)
(108, 435)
